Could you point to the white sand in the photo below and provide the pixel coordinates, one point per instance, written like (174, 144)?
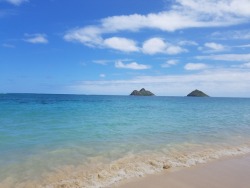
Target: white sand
(226, 173)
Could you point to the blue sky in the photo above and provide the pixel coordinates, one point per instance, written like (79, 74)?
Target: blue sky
(170, 47)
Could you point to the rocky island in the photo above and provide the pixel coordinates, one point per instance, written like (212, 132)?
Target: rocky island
(197, 93)
(142, 92)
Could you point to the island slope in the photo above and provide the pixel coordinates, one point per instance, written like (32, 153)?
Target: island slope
(142, 92)
(197, 93)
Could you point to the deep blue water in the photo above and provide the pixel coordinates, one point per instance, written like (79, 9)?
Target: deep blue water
(40, 132)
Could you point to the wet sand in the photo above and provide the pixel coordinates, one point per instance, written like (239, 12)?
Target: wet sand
(226, 173)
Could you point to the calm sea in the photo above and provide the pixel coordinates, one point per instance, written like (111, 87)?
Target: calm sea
(95, 141)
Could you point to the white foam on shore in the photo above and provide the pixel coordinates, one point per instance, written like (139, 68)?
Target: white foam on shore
(130, 166)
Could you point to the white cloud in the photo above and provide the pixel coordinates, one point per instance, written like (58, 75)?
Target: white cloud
(102, 61)
(121, 44)
(236, 34)
(218, 7)
(170, 63)
(16, 2)
(184, 14)
(158, 45)
(106, 61)
(181, 15)
(227, 57)
(36, 38)
(243, 46)
(133, 65)
(102, 75)
(187, 43)
(89, 36)
(154, 45)
(215, 82)
(214, 46)
(195, 66)
(151, 46)
(244, 65)
(172, 50)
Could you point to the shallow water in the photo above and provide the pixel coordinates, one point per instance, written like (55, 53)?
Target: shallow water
(94, 141)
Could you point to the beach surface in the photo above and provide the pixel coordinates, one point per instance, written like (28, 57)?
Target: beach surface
(224, 173)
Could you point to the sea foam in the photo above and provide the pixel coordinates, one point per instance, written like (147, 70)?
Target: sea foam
(128, 167)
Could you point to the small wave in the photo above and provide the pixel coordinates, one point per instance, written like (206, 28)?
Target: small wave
(130, 166)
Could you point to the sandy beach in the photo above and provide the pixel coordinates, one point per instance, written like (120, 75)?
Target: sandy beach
(225, 173)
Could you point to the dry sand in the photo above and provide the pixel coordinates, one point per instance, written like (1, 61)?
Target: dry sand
(226, 173)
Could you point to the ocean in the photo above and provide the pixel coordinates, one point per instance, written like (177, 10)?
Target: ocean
(95, 141)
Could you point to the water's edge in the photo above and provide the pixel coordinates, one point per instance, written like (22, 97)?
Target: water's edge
(126, 168)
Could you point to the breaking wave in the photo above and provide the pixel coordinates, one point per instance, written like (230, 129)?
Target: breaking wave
(130, 166)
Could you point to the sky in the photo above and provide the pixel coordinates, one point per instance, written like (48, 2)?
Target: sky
(113, 47)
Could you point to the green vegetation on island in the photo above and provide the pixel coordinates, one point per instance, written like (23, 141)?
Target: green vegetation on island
(142, 92)
(197, 93)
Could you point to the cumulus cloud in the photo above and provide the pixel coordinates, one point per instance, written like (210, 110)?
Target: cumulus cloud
(16, 2)
(153, 46)
(36, 38)
(122, 44)
(169, 63)
(182, 14)
(214, 46)
(195, 66)
(215, 82)
(158, 45)
(90, 36)
(133, 65)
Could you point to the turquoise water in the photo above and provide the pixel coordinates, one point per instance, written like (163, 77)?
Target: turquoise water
(94, 141)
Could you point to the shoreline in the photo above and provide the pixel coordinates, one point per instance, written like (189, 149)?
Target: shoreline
(137, 171)
(228, 172)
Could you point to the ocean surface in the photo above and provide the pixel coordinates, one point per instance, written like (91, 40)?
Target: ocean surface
(96, 141)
